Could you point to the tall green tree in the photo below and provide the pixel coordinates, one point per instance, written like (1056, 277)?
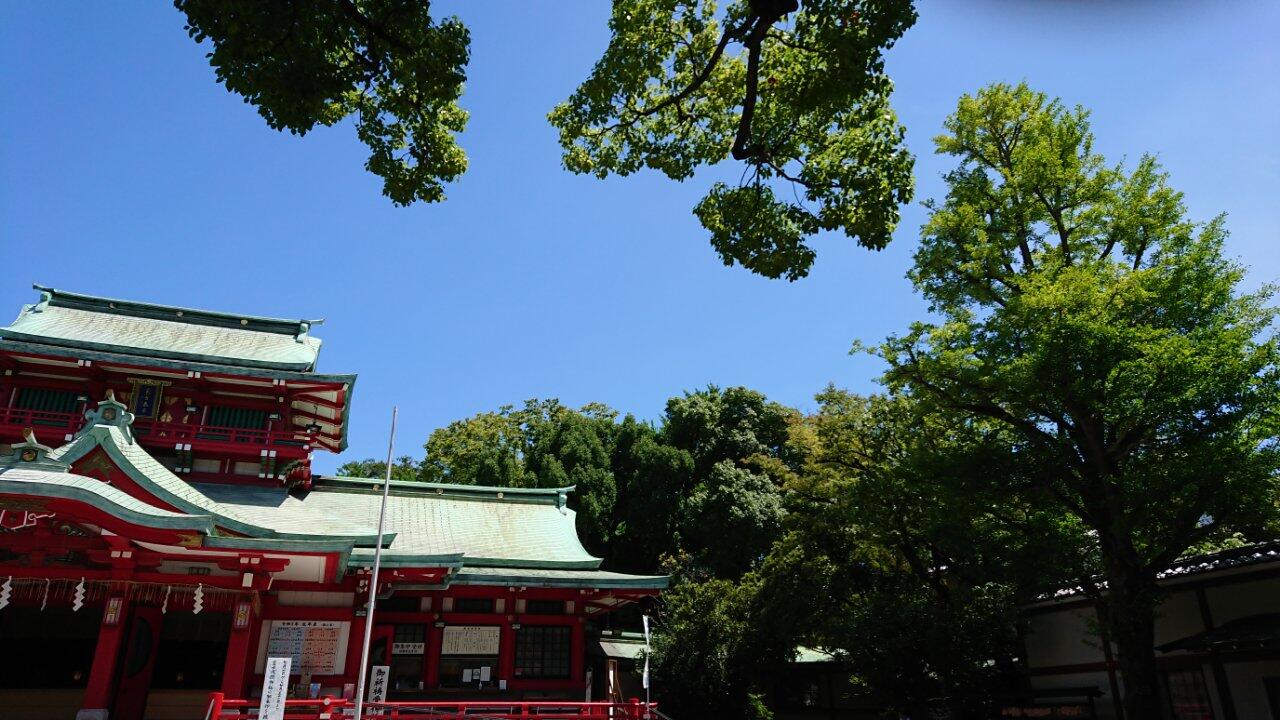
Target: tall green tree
(1082, 311)
(652, 479)
(740, 445)
(575, 449)
(794, 91)
(490, 448)
(920, 564)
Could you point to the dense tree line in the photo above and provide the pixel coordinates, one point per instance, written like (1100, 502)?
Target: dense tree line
(1093, 397)
(646, 493)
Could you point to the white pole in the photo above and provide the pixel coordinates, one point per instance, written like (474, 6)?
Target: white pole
(647, 705)
(373, 581)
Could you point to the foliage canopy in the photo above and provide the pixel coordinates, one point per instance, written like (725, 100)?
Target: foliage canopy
(795, 92)
(1105, 334)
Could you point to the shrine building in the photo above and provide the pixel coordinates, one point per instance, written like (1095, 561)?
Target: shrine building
(162, 532)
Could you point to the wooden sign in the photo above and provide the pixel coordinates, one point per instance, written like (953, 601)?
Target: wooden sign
(114, 610)
(244, 610)
(146, 396)
(470, 640)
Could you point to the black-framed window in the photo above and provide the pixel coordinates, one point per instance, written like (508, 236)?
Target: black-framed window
(400, 603)
(236, 417)
(410, 633)
(544, 607)
(543, 651)
(473, 605)
(46, 399)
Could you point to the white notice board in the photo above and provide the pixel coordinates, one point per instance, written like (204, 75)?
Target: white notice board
(470, 640)
(316, 647)
(275, 688)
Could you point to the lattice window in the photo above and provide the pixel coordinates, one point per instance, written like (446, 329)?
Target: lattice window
(235, 417)
(543, 651)
(63, 401)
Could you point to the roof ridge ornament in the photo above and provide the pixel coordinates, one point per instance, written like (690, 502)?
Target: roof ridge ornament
(111, 412)
(46, 294)
(31, 454)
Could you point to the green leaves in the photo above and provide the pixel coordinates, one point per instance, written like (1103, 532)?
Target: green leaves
(797, 95)
(1084, 312)
(387, 63)
(796, 92)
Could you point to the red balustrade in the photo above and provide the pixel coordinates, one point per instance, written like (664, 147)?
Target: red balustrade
(39, 420)
(52, 427)
(179, 432)
(223, 708)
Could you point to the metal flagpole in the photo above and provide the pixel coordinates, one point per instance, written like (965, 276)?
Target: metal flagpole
(373, 581)
(647, 705)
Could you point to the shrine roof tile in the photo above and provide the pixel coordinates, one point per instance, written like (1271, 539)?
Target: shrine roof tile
(121, 326)
(430, 527)
(549, 577)
(145, 470)
(157, 479)
(69, 486)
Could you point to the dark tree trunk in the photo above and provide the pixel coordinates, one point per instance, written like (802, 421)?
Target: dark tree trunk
(1131, 617)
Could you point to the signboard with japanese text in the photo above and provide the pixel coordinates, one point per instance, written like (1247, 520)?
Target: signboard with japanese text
(470, 640)
(146, 396)
(378, 683)
(316, 647)
(275, 688)
(407, 648)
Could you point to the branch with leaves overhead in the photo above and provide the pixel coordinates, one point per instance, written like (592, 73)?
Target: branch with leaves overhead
(387, 63)
(803, 104)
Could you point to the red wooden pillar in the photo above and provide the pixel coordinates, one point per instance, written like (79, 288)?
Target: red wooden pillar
(435, 642)
(106, 658)
(506, 653)
(240, 647)
(578, 651)
(430, 665)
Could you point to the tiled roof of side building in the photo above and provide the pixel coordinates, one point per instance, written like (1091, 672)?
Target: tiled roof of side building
(507, 527)
(488, 535)
(87, 322)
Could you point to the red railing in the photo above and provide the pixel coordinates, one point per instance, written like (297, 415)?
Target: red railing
(58, 424)
(39, 420)
(178, 432)
(223, 708)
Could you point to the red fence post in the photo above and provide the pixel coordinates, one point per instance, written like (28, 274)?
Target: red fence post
(215, 706)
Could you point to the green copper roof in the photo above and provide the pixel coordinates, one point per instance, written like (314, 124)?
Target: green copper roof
(549, 577)
(433, 524)
(487, 535)
(68, 486)
(87, 322)
(115, 437)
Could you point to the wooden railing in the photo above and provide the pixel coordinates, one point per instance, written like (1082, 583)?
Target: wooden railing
(38, 420)
(179, 432)
(223, 708)
(53, 426)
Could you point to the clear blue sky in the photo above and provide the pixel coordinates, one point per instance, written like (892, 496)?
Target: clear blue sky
(127, 171)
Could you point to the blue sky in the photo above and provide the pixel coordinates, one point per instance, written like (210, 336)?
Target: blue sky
(127, 171)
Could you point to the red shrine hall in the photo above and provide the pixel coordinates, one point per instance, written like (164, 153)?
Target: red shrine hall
(162, 533)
